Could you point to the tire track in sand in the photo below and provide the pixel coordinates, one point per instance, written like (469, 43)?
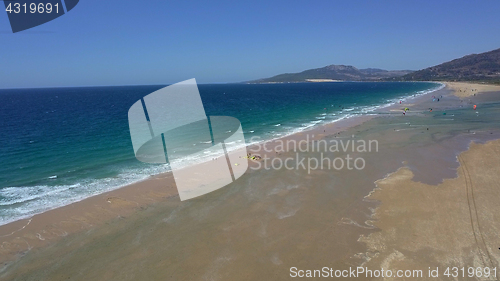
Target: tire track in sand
(471, 201)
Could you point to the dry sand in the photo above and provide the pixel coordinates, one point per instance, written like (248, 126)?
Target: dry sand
(323, 80)
(464, 90)
(453, 224)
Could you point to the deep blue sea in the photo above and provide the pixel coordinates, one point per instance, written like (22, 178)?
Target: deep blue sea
(61, 145)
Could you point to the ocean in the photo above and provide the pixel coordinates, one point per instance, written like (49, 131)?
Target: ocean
(61, 145)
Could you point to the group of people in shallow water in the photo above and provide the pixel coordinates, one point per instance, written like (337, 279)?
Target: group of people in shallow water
(434, 98)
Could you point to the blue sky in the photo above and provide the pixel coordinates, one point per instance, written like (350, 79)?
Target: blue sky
(115, 42)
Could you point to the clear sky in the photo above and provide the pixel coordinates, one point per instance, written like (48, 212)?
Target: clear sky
(113, 42)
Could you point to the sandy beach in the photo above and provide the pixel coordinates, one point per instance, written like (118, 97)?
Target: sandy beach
(424, 199)
(453, 224)
(322, 80)
(463, 90)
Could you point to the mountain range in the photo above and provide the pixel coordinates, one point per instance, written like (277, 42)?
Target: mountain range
(476, 67)
(484, 67)
(334, 73)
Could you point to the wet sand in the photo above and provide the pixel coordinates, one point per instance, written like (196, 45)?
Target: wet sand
(269, 220)
(453, 224)
(20, 237)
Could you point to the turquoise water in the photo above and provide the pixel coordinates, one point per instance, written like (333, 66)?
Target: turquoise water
(61, 145)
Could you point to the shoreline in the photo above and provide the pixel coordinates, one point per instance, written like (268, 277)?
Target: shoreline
(416, 220)
(317, 127)
(41, 229)
(125, 200)
(470, 196)
(128, 199)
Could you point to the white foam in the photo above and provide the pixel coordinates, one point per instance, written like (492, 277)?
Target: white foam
(25, 201)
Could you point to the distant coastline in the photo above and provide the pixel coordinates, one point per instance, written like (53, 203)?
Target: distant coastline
(334, 73)
(323, 80)
(474, 68)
